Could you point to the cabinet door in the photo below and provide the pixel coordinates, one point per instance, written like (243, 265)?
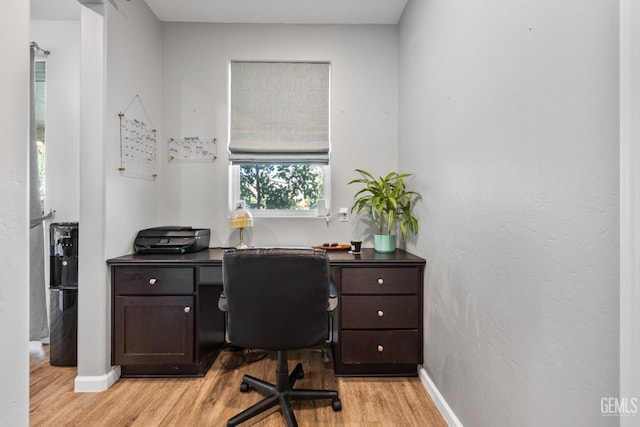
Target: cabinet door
(153, 330)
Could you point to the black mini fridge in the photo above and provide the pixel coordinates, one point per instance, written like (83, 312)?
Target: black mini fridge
(63, 286)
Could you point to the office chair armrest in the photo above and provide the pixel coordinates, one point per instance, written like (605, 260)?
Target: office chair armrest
(333, 303)
(333, 296)
(222, 302)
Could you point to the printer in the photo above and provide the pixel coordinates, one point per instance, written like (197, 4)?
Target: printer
(171, 240)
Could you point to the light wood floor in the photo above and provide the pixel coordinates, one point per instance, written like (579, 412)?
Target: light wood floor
(210, 401)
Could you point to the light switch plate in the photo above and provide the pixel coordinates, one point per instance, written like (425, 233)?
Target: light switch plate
(344, 214)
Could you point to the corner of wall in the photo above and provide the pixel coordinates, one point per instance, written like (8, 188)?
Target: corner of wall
(439, 400)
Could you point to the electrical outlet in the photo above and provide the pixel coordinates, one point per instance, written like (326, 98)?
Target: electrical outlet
(344, 214)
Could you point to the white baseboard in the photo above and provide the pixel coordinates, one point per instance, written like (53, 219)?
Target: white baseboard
(97, 383)
(438, 399)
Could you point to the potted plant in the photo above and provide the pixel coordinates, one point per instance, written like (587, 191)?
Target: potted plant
(389, 202)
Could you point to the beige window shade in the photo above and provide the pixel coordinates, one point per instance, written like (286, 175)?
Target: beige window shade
(279, 112)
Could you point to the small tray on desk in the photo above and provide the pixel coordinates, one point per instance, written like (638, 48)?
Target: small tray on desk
(333, 247)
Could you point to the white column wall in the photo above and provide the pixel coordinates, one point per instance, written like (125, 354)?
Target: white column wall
(120, 59)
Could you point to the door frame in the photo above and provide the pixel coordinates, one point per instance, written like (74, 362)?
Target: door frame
(629, 204)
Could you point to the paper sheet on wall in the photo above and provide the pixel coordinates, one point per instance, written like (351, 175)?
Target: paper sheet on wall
(192, 149)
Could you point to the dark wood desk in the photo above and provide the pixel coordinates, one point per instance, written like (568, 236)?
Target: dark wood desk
(165, 320)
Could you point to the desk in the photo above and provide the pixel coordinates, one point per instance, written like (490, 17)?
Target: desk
(165, 320)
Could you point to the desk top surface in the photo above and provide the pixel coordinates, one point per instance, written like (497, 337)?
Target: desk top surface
(213, 256)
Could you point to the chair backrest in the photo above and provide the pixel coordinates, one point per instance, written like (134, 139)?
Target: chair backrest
(276, 297)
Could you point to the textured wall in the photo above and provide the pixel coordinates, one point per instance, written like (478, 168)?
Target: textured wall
(14, 215)
(509, 111)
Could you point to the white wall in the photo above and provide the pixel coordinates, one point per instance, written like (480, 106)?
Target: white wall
(62, 128)
(510, 109)
(195, 61)
(14, 224)
(133, 68)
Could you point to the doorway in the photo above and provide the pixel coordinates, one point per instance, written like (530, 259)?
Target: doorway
(55, 27)
(629, 204)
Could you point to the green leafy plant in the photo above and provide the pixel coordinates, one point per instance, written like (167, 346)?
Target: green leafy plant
(387, 200)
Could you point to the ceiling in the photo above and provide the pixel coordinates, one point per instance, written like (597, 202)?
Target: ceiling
(247, 11)
(280, 11)
(55, 10)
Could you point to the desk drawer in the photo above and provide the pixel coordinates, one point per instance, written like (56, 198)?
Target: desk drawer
(210, 275)
(380, 347)
(154, 280)
(379, 312)
(394, 280)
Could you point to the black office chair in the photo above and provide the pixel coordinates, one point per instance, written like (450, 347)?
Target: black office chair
(277, 299)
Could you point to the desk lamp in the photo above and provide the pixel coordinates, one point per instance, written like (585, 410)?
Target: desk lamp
(241, 218)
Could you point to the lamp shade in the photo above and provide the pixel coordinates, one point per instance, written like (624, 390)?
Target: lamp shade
(241, 217)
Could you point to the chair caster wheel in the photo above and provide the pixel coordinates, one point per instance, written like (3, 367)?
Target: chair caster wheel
(336, 405)
(244, 387)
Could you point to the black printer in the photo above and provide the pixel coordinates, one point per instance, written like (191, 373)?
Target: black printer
(171, 240)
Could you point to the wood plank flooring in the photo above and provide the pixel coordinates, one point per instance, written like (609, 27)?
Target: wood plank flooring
(210, 401)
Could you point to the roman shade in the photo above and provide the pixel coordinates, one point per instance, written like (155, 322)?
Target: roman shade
(279, 112)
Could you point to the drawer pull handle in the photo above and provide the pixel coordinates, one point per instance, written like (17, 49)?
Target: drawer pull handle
(187, 309)
(380, 313)
(153, 281)
(380, 349)
(380, 281)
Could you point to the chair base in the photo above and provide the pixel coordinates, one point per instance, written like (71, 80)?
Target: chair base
(282, 393)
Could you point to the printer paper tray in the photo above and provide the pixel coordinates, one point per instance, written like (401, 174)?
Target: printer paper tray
(161, 250)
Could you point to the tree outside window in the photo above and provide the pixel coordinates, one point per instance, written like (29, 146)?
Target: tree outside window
(281, 187)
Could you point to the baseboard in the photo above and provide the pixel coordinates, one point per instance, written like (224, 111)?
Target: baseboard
(97, 383)
(438, 399)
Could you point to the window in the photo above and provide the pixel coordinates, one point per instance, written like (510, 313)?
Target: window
(276, 189)
(279, 136)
